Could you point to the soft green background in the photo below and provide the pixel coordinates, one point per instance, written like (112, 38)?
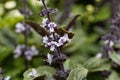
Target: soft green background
(88, 29)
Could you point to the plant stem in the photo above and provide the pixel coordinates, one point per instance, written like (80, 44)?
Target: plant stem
(26, 33)
(57, 49)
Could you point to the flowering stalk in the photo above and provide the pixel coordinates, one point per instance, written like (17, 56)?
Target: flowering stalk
(54, 46)
(25, 50)
(113, 37)
(54, 38)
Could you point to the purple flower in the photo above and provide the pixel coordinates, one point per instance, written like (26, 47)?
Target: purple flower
(31, 52)
(19, 28)
(51, 26)
(45, 39)
(49, 58)
(52, 45)
(63, 39)
(45, 22)
(18, 51)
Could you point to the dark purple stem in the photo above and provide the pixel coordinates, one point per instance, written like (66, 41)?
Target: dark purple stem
(58, 50)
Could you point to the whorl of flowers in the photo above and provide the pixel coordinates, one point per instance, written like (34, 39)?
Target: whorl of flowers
(24, 49)
(53, 40)
(113, 37)
(54, 37)
(22, 27)
(27, 51)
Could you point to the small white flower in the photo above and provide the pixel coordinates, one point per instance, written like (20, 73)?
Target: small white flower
(49, 58)
(7, 78)
(19, 27)
(99, 55)
(45, 22)
(51, 26)
(111, 43)
(45, 39)
(52, 45)
(67, 38)
(33, 73)
(63, 39)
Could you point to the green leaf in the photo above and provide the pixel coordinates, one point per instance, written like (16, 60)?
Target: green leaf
(11, 18)
(114, 76)
(97, 64)
(103, 13)
(78, 73)
(40, 30)
(4, 52)
(42, 71)
(26, 77)
(115, 57)
(70, 65)
(49, 71)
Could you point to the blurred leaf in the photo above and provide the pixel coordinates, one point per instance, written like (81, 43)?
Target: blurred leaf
(95, 76)
(70, 65)
(7, 37)
(46, 70)
(78, 73)
(103, 13)
(26, 77)
(77, 41)
(41, 71)
(40, 78)
(97, 64)
(4, 52)
(114, 76)
(115, 57)
(12, 17)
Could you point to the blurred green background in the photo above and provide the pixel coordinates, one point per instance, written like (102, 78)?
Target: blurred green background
(88, 29)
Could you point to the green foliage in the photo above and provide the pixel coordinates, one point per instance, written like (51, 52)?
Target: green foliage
(104, 10)
(78, 73)
(114, 76)
(85, 44)
(45, 71)
(115, 57)
(97, 64)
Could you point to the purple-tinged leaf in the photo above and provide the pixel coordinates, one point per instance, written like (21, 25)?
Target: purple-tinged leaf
(71, 22)
(40, 30)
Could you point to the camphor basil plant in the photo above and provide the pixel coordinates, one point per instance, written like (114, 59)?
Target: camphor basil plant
(59, 67)
(54, 38)
(59, 40)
